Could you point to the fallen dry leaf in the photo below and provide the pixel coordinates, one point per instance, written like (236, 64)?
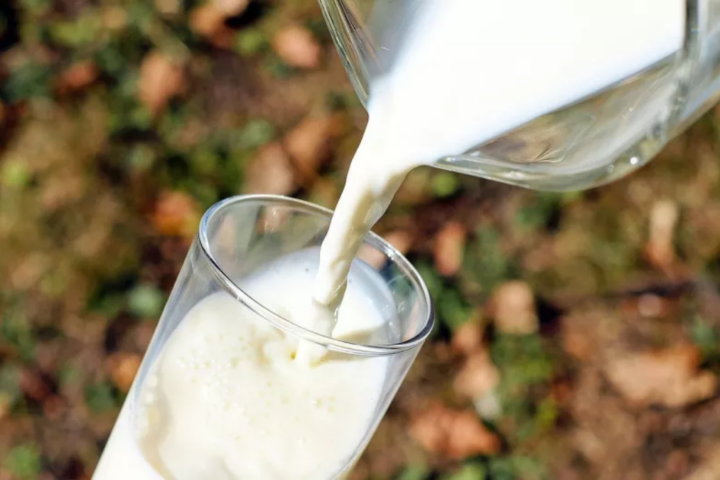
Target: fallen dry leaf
(652, 306)
(53, 407)
(123, 368)
(177, 214)
(169, 8)
(270, 172)
(62, 190)
(477, 377)
(561, 391)
(114, 18)
(77, 77)
(667, 377)
(512, 306)
(677, 463)
(449, 248)
(708, 468)
(309, 143)
(208, 21)
(34, 385)
(5, 404)
(230, 8)
(297, 47)
(467, 338)
(456, 434)
(574, 341)
(660, 249)
(160, 80)
(29, 271)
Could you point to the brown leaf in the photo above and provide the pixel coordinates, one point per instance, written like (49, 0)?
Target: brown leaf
(477, 377)
(309, 143)
(208, 21)
(176, 213)
(168, 8)
(270, 172)
(297, 47)
(5, 404)
(561, 391)
(34, 385)
(62, 190)
(161, 79)
(53, 407)
(660, 249)
(123, 368)
(667, 377)
(708, 468)
(513, 308)
(114, 18)
(230, 8)
(677, 464)
(449, 248)
(77, 77)
(29, 271)
(650, 305)
(467, 338)
(456, 434)
(574, 341)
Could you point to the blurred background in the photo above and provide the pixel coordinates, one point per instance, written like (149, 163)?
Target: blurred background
(577, 333)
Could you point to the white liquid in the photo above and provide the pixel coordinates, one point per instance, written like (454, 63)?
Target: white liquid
(226, 400)
(471, 70)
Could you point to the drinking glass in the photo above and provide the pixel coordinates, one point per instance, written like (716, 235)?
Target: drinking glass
(241, 235)
(588, 142)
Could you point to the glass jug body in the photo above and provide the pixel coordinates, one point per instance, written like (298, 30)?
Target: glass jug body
(599, 136)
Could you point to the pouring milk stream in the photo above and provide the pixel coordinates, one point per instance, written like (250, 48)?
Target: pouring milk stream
(468, 71)
(461, 80)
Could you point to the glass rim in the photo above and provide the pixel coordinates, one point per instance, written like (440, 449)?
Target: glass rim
(291, 327)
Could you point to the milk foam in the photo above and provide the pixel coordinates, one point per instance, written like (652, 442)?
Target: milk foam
(226, 400)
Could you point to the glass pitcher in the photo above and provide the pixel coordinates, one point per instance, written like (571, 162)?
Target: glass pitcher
(585, 143)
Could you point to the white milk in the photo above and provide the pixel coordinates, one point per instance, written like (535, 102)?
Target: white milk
(226, 400)
(470, 70)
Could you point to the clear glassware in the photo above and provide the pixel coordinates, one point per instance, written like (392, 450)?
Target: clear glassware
(589, 142)
(238, 237)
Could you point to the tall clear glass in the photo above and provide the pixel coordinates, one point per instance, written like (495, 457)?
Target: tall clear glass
(238, 239)
(587, 142)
